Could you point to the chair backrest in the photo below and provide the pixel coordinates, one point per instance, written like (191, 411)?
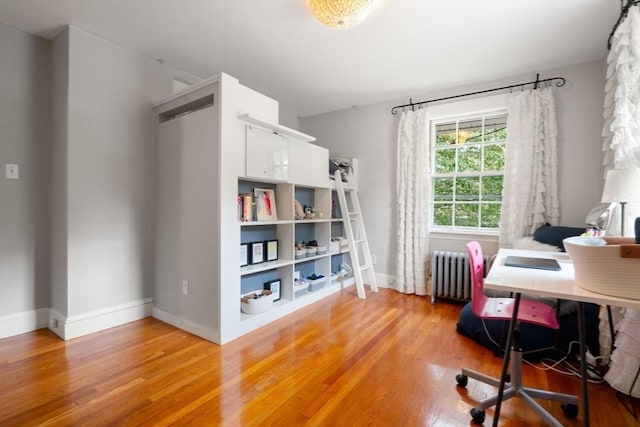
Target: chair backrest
(476, 262)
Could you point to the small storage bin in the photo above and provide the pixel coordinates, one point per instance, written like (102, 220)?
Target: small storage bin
(256, 302)
(603, 269)
(321, 250)
(300, 287)
(300, 253)
(312, 250)
(335, 247)
(318, 283)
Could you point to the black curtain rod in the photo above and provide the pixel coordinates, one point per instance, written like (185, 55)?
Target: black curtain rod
(560, 82)
(624, 10)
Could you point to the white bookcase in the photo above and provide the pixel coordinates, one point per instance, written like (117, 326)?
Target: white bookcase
(202, 165)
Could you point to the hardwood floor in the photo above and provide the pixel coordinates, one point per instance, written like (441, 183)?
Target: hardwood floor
(388, 361)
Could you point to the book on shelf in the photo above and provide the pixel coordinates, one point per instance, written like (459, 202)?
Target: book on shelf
(246, 207)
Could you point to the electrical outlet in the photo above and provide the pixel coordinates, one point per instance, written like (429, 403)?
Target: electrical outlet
(374, 259)
(185, 287)
(12, 171)
(54, 323)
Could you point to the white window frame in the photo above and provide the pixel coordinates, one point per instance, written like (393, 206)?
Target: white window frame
(461, 110)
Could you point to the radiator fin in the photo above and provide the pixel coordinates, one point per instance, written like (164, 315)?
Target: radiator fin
(451, 276)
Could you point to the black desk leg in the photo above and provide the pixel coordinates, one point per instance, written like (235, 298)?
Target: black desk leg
(583, 365)
(507, 354)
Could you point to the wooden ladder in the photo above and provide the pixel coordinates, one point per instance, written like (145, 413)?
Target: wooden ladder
(358, 243)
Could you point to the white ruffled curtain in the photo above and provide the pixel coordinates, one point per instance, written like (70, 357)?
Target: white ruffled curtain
(413, 207)
(621, 147)
(621, 131)
(530, 193)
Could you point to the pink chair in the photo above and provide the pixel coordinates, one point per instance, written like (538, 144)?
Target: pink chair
(533, 312)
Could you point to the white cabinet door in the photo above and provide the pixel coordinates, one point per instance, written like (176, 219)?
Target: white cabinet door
(267, 154)
(308, 164)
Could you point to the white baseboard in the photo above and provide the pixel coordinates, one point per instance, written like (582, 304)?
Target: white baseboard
(95, 321)
(386, 281)
(26, 321)
(191, 327)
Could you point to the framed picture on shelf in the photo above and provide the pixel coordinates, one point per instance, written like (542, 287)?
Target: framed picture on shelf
(265, 200)
(272, 250)
(274, 287)
(244, 254)
(256, 249)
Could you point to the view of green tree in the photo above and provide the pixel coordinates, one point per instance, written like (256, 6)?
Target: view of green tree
(445, 160)
(442, 214)
(443, 189)
(468, 188)
(462, 198)
(490, 215)
(492, 188)
(466, 215)
(494, 157)
(469, 159)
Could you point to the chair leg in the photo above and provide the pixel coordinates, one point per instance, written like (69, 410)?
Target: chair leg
(516, 389)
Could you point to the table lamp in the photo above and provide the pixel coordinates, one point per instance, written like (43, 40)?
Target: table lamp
(622, 186)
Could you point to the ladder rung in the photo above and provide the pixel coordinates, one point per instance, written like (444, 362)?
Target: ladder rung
(364, 267)
(358, 241)
(355, 213)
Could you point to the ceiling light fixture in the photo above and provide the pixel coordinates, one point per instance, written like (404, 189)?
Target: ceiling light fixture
(340, 14)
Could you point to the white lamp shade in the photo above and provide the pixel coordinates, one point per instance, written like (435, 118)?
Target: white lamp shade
(622, 185)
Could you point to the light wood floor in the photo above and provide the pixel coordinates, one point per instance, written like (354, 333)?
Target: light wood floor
(388, 361)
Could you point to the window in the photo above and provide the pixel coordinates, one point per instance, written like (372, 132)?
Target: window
(467, 172)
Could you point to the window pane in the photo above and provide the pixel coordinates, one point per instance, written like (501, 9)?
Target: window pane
(443, 189)
(469, 159)
(445, 160)
(446, 134)
(468, 189)
(466, 215)
(442, 214)
(470, 131)
(495, 128)
(494, 158)
(492, 188)
(490, 215)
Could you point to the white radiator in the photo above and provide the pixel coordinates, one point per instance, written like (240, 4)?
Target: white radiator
(451, 276)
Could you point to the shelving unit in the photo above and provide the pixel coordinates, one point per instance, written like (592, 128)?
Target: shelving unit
(209, 151)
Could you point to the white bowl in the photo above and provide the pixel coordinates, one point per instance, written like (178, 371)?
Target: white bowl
(256, 302)
(586, 240)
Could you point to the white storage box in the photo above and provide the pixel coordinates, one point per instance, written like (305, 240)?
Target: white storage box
(256, 302)
(317, 283)
(300, 287)
(604, 269)
(312, 250)
(334, 247)
(322, 250)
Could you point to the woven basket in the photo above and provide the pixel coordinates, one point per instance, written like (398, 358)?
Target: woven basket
(602, 269)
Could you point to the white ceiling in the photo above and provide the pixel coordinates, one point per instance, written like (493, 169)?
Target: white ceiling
(404, 48)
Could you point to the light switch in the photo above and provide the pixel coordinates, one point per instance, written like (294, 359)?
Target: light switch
(12, 171)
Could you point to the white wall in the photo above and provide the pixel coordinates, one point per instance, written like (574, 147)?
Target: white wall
(59, 107)
(104, 167)
(25, 129)
(369, 133)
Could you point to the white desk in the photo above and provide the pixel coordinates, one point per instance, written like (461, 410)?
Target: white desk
(556, 284)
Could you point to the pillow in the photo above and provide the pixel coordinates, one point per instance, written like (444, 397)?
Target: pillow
(530, 244)
(554, 234)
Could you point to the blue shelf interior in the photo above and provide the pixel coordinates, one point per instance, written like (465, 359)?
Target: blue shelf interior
(258, 233)
(254, 282)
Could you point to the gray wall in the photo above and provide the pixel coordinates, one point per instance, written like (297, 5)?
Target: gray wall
(369, 133)
(25, 128)
(109, 172)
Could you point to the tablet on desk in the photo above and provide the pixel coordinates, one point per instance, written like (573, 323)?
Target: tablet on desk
(528, 262)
